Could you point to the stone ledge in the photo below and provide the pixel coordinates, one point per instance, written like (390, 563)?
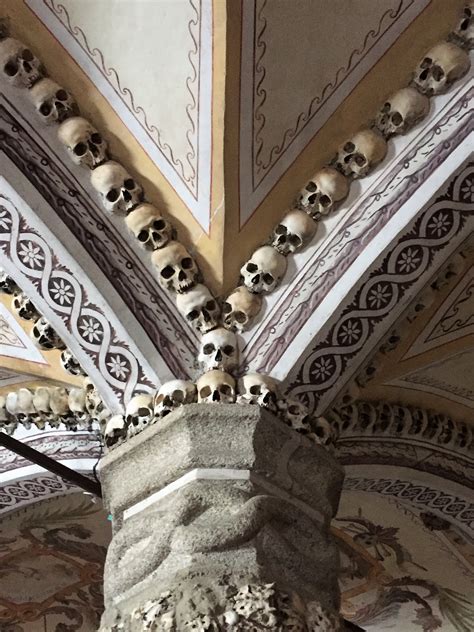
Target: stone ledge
(220, 436)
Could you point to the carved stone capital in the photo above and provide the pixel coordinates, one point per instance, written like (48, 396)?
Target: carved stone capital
(216, 509)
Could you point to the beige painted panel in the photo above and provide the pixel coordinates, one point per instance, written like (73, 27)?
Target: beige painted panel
(151, 48)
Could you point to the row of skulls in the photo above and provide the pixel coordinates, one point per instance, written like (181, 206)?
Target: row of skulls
(53, 406)
(216, 387)
(176, 269)
(42, 333)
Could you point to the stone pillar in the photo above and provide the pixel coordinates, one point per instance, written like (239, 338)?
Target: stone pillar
(221, 520)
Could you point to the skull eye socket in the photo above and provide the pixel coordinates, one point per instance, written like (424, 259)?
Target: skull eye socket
(311, 186)
(61, 95)
(45, 109)
(426, 63)
(227, 308)
(349, 147)
(268, 279)
(228, 350)
(211, 305)
(240, 317)
(187, 263)
(129, 184)
(11, 68)
(96, 138)
(281, 230)
(192, 315)
(293, 410)
(360, 160)
(80, 149)
(325, 200)
(143, 236)
(312, 198)
(159, 224)
(112, 195)
(251, 267)
(295, 240)
(208, 349)
(27, 55)
(143, 412)
(167, 272)
(226, 389)
(178, 396)
(397, 118)
(205, 392)
(255, 389)
(386, 108)
(438, 73)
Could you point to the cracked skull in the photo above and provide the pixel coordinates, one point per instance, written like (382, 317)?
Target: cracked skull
(199, 307)
(216, 387)
(19, 65)
(442, 65)
(327, 187)
(53, 103)
(84, 143)
(258, 389)
(44, 335)
(149, 227)
(24, 307)
(402, 111)
(172, 395)
(264, 270)
(240, 309)
(119, 192)
(295, 231)
(219, 350)
(177, 270)
(361, 153)
(139, 413)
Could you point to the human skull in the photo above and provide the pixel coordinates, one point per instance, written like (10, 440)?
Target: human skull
(260, 390)
(401, 112)
(216, 387)
(94, 404)
(53, 103)
(361, 153)
(84, 143)
(70, 363)
(19, 65)
(172, 395)
(327, 187)
(44, 335)
(323, 433)
(149, 227)
(119, 192)
(7, 423)
(442, 65)
(240, 308)
(295, 231)
(115, 431)
(77, 406)
(139, 413)
(295, 414)
(199, 307)
(177, 270)
(42, 415)
(59, 404)
(219, 350)
(263, 271)
(24, 307)
(24, 406)
(7, 284)
(463, 34)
